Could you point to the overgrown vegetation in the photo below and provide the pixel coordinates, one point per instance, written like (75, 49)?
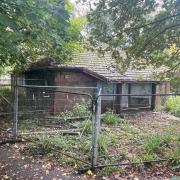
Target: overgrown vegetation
(172, 105)
(6, 91)
(110, 118)
(5, 95)
(154, 142)
(59, 147)
(86, 126)
(38, 28)
(131, 141)
(79, 110)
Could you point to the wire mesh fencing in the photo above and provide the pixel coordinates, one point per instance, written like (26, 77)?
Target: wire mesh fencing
(60, 117)
(50, 107)
(139, 129)
(80, 124)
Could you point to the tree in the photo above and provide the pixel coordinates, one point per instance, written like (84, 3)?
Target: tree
(30, 29)
(146, 30)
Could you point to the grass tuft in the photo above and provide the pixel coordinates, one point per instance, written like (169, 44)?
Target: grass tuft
(110, 118)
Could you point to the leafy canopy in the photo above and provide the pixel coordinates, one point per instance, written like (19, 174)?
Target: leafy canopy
(30, 29)
(147, 30)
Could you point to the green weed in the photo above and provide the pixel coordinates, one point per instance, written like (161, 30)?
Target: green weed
(59, 147)
(104, 141)
(79, 110)
(86, 126)
(110, 169)
(174, 156)
(135, 160)
(110, 118)
(172, 105)
(47, 144)
(6, 91)
(153, 143)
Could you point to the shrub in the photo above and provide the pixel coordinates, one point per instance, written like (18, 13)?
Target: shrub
(172, 105)
(110, 118)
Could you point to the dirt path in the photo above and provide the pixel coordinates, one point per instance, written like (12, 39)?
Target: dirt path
(14, 165)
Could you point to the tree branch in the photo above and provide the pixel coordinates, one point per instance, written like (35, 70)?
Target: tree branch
(154, 22)
(154, 37)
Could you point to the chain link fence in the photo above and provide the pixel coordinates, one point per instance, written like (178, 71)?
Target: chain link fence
(146, 130)
(71, 124)
(6, 103)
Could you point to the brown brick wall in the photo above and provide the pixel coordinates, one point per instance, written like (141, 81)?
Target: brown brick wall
(65, 102)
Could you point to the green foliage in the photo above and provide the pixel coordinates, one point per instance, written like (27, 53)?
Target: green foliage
(134, 160)
(174, 156)
(172, 105)
(148, 157)
(25, 125)
(114, 159)
(47, 144)
(110, 118)
(154, 142)
(147, 31)
(139, 77)
(57, 146)
(104, 141)
(86, 125)
(79, 110)
(175, 83)
(6, 91)
(65, 116)
(31, 29)
(110, 169)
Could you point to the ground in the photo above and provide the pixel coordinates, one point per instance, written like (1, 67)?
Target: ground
(14, 165)
(17, 163)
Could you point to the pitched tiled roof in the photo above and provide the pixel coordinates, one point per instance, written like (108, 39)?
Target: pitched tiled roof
(103, 67)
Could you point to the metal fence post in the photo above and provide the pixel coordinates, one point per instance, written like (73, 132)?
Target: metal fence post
(15, 109)
(96, 125)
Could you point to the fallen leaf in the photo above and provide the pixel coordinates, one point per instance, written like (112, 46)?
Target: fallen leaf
(90, 173)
